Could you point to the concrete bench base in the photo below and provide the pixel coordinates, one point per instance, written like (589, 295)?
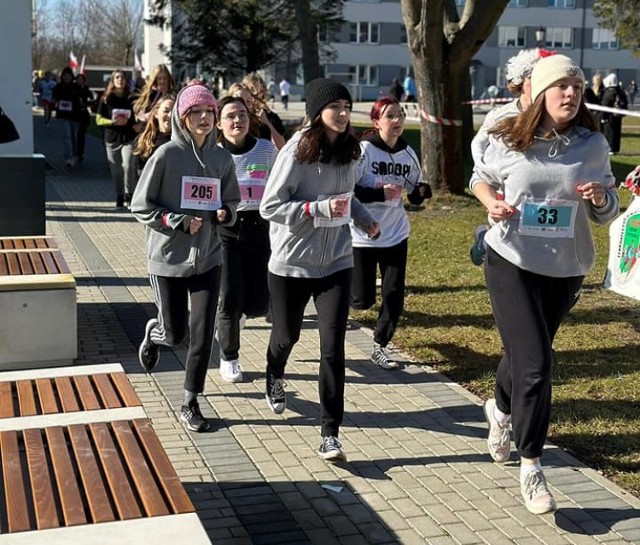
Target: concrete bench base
(38, 328)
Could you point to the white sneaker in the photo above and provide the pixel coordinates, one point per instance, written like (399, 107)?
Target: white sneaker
(535, 492)
(499, 441)
(382, 358)
(230, 371)
(243, 321)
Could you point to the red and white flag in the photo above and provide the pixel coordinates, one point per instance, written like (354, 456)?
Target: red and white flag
(82, 65)
(137, 63)
(73, 60)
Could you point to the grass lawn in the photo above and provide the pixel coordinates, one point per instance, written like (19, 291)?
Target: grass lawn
(447, 324)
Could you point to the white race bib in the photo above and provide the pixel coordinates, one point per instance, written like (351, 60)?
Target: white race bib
(548, 218)
(334, 222)
(200, 193)
(381, 182)
(65, 106)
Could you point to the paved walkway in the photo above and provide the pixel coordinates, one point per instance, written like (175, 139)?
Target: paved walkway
(418, 469)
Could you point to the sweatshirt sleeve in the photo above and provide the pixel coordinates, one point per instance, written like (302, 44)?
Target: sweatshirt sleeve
(611, 208)
(277, 204)
(483, 172)
(144, 201)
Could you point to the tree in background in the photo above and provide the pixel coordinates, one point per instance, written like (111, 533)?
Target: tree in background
(442, 44)
(623, 18)
(247, 35)
(105, 31)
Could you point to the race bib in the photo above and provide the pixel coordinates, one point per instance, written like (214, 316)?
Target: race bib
(252, 185)
(334, 222)
(543, 218)
(381, 182)
(200, 193)
(118, 112)
(65, 106)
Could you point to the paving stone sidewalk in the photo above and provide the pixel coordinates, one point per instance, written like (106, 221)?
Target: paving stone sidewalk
(418, 469)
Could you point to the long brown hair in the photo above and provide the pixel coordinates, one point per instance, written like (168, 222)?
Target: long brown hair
(143, 102)
(315, 146)
(519, 132)
(111, 87)
(147, 138)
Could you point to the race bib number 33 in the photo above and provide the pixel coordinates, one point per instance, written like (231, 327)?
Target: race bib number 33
(542, 218)
(200, 193)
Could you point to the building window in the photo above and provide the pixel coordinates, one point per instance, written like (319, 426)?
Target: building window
(364, 74)
(517, 3)
(561, 3)
(365, 33)
(561, 38)
(511, 36)
(604, 39)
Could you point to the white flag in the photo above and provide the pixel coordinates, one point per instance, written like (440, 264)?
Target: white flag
(73, 60)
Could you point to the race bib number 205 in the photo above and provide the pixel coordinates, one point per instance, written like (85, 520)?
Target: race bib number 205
(200, 193)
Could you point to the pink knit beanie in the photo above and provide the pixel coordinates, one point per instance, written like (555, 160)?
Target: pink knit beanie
(192, 95)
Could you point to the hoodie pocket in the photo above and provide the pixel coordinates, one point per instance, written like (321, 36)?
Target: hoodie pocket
(172, 248)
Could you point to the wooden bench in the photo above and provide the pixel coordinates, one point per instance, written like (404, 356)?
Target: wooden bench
(38, 304)
(80, 463)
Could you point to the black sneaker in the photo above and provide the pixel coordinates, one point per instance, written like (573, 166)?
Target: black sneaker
(275, 394)
(192, 417)
(331, 449)
(149, 353)
(120, 202)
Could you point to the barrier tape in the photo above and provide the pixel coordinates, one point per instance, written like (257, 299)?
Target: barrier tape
(489, 101)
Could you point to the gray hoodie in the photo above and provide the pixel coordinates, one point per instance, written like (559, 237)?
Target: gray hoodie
(298, 248)
(548, 174)
(171, 250)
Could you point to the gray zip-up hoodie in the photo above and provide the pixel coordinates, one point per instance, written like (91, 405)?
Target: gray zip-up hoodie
(171, 250)
(298, 248)
(548, 174)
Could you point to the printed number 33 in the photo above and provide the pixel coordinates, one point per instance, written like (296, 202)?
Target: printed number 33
(547, 216)
(201, 192)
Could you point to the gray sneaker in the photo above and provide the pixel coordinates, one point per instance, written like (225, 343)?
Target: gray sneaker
(535, 492)
(275, 394)
(478, 250)
(381, 357)
(331, 449)
(499, 441)
(149, 353)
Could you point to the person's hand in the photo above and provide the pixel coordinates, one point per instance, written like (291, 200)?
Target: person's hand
(137, 127)
(338, 207)
(500, 210)
(392, 192)
(194, 225)
(120, 120)
(373, 230)
(593, 192)
(221, 215)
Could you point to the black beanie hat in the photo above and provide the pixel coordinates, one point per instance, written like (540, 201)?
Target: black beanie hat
(320, 92)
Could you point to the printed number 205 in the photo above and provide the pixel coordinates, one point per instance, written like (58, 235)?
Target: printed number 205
(201, 192)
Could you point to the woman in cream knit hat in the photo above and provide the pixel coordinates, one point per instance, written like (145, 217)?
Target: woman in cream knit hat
(553, 169)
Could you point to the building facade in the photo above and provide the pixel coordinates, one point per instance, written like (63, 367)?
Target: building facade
(371, 47)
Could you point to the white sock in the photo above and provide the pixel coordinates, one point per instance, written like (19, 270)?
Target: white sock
(502, 418)
(525, 469)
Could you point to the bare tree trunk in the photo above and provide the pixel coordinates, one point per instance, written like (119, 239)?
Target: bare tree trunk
(308, 40)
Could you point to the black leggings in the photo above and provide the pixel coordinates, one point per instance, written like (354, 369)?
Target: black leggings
(289, 297)
(528, 309)
(173, 296)
(393, 266)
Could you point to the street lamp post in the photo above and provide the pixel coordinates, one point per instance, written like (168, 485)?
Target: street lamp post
(540, 36)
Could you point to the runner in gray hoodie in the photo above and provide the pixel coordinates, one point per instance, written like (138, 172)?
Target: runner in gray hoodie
(186, 189)
(309, 202)
(554, 172)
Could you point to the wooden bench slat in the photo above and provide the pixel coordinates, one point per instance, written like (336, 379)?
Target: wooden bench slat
(106, 392)
(87, 394)
(6, 401)
(68, 489)
(150, 495)
(4, 265)
(13, 264)
(49, 263)
(125, 389)
(94, 487)
(26, 267)
(61, 264)
(41, 489)
(47, 397)
(38, 263)
(26, 399)
(67, 395)
(167, 476)
(15, 494)
(118, 482)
